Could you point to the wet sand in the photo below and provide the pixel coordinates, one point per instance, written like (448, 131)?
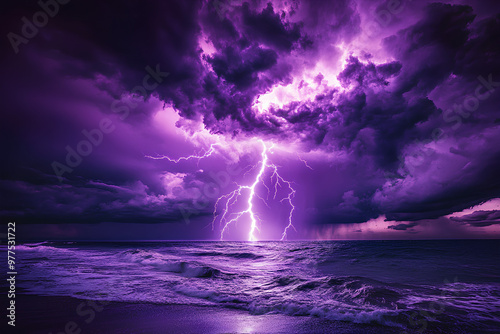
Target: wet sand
(49, 314)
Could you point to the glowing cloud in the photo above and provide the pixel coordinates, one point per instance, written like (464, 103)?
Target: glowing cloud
(249, 190)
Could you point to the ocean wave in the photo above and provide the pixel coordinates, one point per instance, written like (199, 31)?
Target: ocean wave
(266, 279)
(332, 311)
(36, 243)
(244, 255)
(41, 248)
(171, 264)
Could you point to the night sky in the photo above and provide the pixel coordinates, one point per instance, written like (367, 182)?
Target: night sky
(378, 119)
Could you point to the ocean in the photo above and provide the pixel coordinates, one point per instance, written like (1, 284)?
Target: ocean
(414, 286)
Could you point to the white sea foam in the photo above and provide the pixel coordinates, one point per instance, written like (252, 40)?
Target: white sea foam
(270, 278)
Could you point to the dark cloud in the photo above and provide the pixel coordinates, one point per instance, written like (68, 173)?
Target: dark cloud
(364, 75)
(371, 124)
(428, 48)
(268, 27)
(479, 218)
(402, 227)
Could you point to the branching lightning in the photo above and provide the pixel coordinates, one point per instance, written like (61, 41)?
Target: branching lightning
(305, 162)
(231, 198)
(227, 201)
(208, 153)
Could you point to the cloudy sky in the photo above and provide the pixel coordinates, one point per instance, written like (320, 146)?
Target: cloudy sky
(320, 119)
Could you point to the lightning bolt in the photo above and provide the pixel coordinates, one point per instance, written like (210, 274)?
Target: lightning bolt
(288, 198)
(227, 201)
(305, 162)
(208, 153)
(231, 198)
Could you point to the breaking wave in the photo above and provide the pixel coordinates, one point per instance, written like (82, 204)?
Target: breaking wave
(308, 279)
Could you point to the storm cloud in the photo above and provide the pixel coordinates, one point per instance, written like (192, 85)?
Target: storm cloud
(393, 109)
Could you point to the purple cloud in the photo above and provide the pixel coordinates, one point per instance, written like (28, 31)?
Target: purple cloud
(479, 218)
(403, 227)
(401, 122)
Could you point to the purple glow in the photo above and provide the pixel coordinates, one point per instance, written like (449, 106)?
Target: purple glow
(254, 166)
(232, 197)
(370, 111)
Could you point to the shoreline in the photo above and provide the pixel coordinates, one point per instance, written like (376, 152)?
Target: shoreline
(58, 314)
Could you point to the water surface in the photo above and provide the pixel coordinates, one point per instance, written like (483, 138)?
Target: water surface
(413, 285)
